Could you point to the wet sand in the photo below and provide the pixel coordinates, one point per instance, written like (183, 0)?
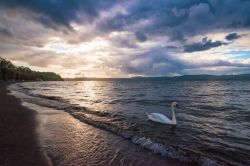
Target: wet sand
(18, 140)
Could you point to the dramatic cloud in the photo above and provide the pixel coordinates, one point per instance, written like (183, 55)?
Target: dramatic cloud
(51, 12)
(153, 63)
(5, 32)
(180, 19)
(140, 36)
(127, 38)
(204, 45)
(232, 36)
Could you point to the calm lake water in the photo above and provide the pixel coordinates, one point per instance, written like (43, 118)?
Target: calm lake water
(213, 120)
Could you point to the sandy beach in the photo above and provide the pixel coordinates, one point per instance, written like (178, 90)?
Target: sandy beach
(19, 144)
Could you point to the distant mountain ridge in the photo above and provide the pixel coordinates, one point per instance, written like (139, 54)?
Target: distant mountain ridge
(202, 77)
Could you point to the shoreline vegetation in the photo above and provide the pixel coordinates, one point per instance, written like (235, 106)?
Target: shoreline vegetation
(10, 72)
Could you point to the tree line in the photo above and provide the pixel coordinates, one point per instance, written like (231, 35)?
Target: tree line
(8, 71)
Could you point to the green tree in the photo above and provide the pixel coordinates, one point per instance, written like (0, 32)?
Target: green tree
(8, 71)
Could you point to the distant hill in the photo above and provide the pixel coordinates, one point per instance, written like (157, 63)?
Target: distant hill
(8, 71)
(240, 77)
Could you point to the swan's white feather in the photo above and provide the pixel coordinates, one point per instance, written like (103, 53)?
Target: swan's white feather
(160, 118)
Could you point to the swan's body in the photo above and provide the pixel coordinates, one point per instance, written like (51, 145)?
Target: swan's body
(160, 118)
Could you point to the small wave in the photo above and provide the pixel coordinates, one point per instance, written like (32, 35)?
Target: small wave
(49, 97)
(147, 143)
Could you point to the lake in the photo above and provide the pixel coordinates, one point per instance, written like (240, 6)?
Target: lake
(212, 119)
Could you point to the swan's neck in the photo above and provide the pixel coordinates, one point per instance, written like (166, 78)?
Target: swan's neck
(173, 115)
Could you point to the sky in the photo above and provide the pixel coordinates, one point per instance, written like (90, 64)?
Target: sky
(127, 38)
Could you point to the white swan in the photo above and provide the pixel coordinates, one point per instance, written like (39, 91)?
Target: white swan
(160, 118)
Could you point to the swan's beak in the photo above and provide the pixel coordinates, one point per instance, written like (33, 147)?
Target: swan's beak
(177, 106)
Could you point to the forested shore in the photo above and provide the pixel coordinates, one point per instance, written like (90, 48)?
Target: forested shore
(10, 72)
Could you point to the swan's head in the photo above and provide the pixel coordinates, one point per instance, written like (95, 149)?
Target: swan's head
(174, 104)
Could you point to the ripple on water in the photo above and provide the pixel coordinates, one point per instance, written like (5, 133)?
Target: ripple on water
(213, 119)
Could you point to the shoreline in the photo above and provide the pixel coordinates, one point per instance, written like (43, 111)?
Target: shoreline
(19, 142)
(68, 141)
(56, 137)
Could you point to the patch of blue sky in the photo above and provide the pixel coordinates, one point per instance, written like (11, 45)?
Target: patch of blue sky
(59, 48)
(240, 54)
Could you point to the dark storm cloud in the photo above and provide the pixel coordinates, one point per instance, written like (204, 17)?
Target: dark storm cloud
(173, 49)
(180, 19)
(153, 62)
(140, 36)
(202, 46)
(5, 32)
(61, 12)
(177, 19)
(232, 36)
